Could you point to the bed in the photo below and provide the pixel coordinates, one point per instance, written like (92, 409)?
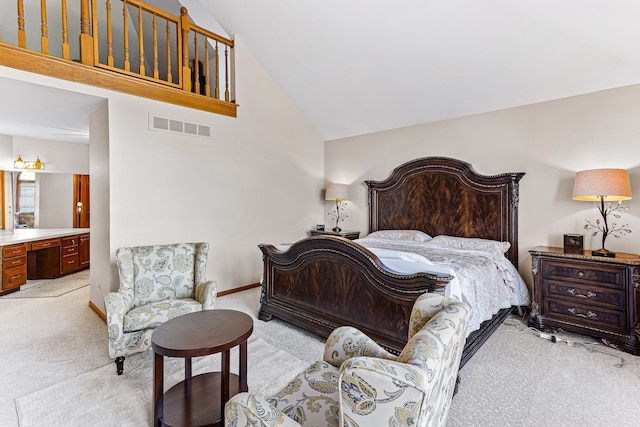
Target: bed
(324, 282)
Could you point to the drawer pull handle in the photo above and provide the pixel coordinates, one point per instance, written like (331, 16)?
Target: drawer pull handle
(590, 314)
(576, 294)
(17, 276)
(580, 273)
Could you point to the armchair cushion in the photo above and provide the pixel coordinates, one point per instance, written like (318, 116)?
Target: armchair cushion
(151, 315)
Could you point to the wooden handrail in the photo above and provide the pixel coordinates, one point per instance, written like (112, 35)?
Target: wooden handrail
(201, 56)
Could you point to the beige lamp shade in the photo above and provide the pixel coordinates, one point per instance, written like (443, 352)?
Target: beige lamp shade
(602, 184)
(337, 192)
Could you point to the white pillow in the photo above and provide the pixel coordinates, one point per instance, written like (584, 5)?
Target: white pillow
(408, 235)
(492, 246)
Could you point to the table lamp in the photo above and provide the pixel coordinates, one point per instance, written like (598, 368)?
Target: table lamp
(337, 192)
(600, 185)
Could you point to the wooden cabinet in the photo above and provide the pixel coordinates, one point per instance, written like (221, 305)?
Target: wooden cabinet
(595, 296)
(48, 258)
(84, 258)
(69, 260)
(14, 266)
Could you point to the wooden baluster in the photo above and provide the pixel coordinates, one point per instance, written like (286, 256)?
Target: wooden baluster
(226, 73)
(169, 77)
(217, 76)
(44, 37)
(109, 35)
(127, 65)
(156, 72)
(207, 87)
(196, 64)
(86, 40)
(22, 35)
(185, 28)
(140, 42)
(65, 31)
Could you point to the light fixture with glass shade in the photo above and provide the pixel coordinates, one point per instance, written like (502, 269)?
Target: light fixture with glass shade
(339, 193)
(21, 164)
(600, 186)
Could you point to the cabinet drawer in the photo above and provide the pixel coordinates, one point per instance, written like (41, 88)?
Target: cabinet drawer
(15, 250)
(597, 274)
(69, 241)
(14, 262)
(585, 315)
(14, 277)
(44, 244)
(69, 263)
(579, 294)
(69, 250)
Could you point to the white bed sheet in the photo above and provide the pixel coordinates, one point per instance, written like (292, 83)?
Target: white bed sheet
(482, 280)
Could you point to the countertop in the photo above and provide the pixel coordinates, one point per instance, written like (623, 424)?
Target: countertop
(22, 235)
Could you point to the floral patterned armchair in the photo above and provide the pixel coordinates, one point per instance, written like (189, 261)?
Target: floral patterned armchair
(157, 283)
(359, 384)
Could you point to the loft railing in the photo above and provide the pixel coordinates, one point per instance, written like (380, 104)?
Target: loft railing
(128, 37)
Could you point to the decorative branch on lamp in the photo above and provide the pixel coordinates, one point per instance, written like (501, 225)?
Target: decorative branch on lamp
(339, 193)
(21, 164)
(604, 185)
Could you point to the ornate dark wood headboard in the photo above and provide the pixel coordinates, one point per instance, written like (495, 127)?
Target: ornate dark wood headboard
(440, 195)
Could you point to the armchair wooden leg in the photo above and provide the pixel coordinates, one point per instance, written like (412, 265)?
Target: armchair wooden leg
(120, 364)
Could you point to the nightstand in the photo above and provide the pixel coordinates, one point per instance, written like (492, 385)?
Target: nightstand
(351, 235)
(587, 294)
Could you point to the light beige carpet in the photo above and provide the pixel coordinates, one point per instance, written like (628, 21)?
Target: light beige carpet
(52, 288)
(102, 398)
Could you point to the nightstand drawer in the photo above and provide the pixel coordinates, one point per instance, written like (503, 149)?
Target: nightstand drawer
(586, 315)
(601, 275)
(600, 296)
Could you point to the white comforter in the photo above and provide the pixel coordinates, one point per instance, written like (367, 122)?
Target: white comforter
(485, 282)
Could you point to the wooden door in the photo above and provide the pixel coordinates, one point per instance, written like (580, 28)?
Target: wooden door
(81, 206)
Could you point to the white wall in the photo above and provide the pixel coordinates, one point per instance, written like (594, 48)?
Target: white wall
(55, 191)
(57, 157)
(259, 179)
(549, 141)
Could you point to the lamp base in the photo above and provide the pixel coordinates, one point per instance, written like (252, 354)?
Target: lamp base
(337, 229)
(604, 252)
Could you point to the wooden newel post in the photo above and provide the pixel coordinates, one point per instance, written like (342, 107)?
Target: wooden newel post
(185, 28)
(86, 39)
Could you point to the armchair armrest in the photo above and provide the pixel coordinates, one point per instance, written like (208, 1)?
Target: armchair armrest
(373, 389)
(116, 306)
(206, 293)
(246, 409)
(346, 342)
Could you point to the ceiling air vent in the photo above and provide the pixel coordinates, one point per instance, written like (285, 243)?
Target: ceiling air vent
(165, 124)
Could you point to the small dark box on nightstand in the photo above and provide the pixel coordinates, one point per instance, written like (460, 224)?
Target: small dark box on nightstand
(573, 243)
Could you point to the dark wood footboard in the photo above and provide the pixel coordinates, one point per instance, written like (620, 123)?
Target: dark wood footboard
(325, 282)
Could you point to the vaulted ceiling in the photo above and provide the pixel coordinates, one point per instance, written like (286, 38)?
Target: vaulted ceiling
(361, 66)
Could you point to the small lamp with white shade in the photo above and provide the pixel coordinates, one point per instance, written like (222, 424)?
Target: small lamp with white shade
(339, 193)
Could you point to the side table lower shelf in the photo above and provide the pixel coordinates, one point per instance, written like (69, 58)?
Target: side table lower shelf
(196, 401)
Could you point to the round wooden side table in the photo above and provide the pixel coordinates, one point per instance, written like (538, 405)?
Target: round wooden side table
(193, 401)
